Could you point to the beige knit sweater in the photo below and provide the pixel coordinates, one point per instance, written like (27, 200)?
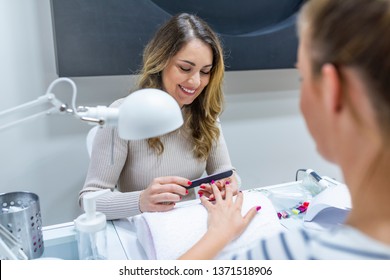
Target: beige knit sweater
(128, 167)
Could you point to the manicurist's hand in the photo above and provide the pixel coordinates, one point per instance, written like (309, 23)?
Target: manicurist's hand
(162, 193)
(225, 223)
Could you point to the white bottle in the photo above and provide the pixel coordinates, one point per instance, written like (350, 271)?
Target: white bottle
(91, 229)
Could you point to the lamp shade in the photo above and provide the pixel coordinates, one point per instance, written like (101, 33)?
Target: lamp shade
(148, 113)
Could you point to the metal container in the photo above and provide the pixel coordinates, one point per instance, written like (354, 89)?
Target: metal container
(21, 216)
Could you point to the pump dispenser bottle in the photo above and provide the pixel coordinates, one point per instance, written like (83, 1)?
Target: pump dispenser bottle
(91, 229)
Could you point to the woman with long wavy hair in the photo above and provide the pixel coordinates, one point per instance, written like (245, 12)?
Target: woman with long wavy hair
(185, 59)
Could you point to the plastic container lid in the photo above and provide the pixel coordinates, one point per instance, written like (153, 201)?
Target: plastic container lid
(91, 221)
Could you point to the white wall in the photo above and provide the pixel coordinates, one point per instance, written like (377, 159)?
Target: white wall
(266, 135)
(265, 131)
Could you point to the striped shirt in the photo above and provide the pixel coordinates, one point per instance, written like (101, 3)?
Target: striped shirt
(342, 242)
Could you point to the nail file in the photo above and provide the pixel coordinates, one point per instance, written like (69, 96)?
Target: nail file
(208, 179)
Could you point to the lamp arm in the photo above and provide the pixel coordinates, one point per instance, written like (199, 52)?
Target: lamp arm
(100, 115)
(58, 107)
(92, 115)
(40, 100)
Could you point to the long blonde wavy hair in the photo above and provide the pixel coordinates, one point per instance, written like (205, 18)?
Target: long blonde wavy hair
(202, 114)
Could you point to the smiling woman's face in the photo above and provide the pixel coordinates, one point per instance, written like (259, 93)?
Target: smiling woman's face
(188, 72)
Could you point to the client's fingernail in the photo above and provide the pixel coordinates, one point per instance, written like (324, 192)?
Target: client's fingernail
(186, 191)
(227, 183)
(189, 183)
(200, 194)
(202, 187)
(258, 208)
(212, 181)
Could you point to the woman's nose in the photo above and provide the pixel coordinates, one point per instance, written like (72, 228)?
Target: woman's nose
(195, 79)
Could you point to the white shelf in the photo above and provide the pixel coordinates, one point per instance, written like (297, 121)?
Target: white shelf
(60, 242)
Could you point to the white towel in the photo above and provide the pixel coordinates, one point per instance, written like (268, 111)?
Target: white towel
(167, 235)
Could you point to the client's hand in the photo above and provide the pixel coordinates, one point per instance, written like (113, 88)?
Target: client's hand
(225, 223)
(224, 216)
(230, 182)
(162, 194)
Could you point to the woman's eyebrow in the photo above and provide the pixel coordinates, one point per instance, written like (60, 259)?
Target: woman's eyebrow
(193, 64)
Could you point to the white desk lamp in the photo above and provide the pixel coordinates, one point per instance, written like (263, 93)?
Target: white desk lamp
(144, 114)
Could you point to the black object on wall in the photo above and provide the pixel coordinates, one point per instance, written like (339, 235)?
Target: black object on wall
(107, 37)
